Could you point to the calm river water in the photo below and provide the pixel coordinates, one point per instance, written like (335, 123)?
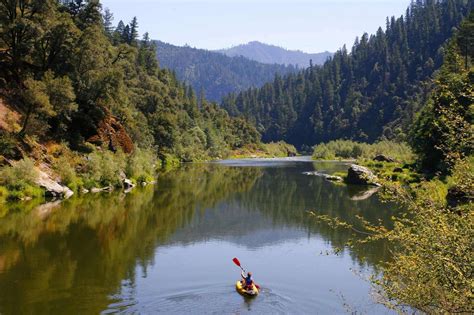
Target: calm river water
(169, 248)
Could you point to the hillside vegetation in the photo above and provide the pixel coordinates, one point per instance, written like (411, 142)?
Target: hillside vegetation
(74, 80)
(216, 75)
(77, 79)
(365, 93)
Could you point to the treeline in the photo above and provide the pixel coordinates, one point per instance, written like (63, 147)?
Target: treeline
(214, 74)
(77, 79)
(372, 91)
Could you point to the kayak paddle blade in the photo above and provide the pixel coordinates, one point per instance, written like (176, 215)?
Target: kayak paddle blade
(236, 261)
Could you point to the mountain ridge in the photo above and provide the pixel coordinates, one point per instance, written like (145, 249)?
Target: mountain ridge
(214, 73)
(271, 54)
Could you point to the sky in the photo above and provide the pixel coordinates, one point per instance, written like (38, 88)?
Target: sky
(307, 25)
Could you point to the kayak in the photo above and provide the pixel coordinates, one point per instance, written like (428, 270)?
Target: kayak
(243, 291)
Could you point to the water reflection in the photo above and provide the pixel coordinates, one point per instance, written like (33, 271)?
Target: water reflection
(83, 254)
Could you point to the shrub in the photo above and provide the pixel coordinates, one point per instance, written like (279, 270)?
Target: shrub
(279, 149)
(20, 179)
(8, 143)
(141, 165)
(346, 149)
(65, 168)
(104, 168)
(23, 171)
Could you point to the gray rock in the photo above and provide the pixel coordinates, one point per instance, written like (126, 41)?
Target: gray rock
(53, 188)
(360, 175)
(383, 158)
(128, 184)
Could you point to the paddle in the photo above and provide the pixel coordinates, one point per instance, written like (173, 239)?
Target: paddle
(237, 262)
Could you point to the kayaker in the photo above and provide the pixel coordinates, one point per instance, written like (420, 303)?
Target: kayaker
(247, 280)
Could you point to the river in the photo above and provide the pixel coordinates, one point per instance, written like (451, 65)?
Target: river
(168, 248)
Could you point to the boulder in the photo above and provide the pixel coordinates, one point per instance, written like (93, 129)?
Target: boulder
(53, 188)
(360, 175)
(383, 158)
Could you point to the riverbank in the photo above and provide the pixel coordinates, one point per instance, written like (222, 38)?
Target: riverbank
(264, 150)
(53, 171)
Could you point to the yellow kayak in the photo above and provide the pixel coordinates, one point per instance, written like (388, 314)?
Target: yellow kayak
(243, 291)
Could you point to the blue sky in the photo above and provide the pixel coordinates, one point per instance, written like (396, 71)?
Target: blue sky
(308, 25)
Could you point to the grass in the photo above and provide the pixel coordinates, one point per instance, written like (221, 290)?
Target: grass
(348, 150)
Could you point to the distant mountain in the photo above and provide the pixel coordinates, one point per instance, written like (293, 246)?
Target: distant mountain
(214, 73)
(273, 54)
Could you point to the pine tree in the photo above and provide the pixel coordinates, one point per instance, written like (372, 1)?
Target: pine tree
(108, 19)
(133, 35)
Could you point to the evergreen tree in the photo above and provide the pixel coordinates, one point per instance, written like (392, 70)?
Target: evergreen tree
(108, 19)
(133, 32)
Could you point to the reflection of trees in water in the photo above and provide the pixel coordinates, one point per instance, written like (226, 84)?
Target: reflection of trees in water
(286, 197)
(74, 257)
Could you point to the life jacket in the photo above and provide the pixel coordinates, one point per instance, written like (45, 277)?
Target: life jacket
(248, 280)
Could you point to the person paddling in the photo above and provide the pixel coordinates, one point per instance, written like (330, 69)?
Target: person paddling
(247, 280)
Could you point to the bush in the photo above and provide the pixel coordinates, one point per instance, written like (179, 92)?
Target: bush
(23, 171)
(346, 149)
(19, 180)
(279, 149)
(104, 168)
(65, 168)
(8, 144)
(141, 165)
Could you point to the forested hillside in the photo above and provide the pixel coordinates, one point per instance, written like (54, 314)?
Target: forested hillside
(372, 91)
(76, 79)
(214, 74)
(273, 54)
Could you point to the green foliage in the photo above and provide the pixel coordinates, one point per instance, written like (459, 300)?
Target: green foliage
(104, 168)
(71, 76)
(20, 180)
(346, 149)
(432, 266)
(369, 92)
(65, 168)
(141, 165)
(8, 143)
(431, 245)
(443, 133)
(279, 149)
